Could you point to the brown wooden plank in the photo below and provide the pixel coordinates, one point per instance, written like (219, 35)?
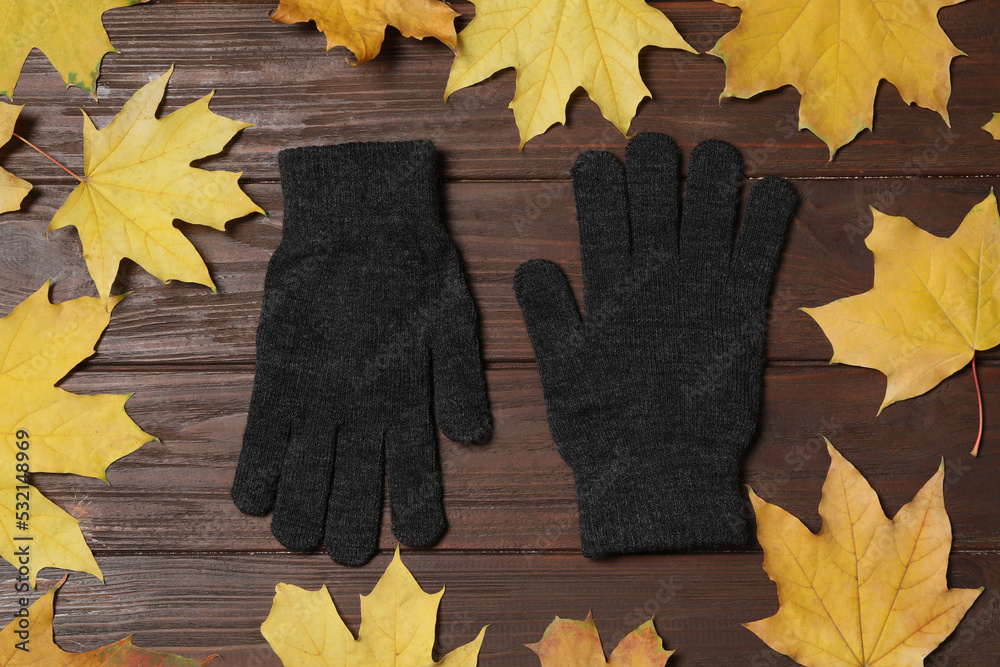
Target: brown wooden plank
(279, 77)
(210, 603)
(516, 492)
(497, 226)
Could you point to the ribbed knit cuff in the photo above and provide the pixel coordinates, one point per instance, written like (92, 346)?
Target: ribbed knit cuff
(371, 183)
(634, 507)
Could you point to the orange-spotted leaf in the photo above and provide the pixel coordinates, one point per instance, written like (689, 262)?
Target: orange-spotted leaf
(576, 643)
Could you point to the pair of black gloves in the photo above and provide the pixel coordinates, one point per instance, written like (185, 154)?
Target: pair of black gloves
(652, 396)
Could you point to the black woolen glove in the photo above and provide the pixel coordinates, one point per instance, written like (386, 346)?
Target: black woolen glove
(364, 304)
(653, 398)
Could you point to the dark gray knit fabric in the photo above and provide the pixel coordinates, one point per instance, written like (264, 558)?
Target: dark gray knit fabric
(653, 397)
(365, 307)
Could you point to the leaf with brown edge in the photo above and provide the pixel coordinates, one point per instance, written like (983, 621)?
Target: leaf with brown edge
(835, 53)
(360, 25)
(569, 643)
(139, 180)
(43, 652)
(69, 32)
(866, 591)
(397, 627)
(48, 429)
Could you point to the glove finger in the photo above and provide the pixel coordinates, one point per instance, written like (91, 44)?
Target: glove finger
(274, 388)
(769, 210)
(414, 481)
(300, 507)
(710, 206)
(601, 211)
(548, 308)
(652, 163)
(354, 511)
(463, 410)
(264, 440)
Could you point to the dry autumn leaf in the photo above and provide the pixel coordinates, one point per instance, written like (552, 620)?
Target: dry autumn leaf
(865, 591)
(360, 24)
(305, 630)
(576, 643)
(934, 303)
(993, 127)
(557, 46)
(69, 32)
(138, 180)
(835, 52)
(47, 429)
(40, 649)
(12, 188)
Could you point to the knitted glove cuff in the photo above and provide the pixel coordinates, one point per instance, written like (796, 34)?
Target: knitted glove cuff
(357, 186)
(631, 507)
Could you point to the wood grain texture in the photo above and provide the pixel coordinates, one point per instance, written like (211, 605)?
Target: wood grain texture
(515, 492)
(497, 225)
(279, 77)
(186, 572)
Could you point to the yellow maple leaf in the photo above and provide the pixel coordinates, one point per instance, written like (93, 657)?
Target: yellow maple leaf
(577, 643)
(48, 429)
(934, 303)
(557, 46)
(69, 32)
(12, 188)
(865, 591)
(993, 127)
(360, 24)
(27, 642)
(139, 180)
(835, 52)
(397, 627)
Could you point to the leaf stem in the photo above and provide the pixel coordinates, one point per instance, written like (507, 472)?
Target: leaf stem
(979, 397)
(61, 165)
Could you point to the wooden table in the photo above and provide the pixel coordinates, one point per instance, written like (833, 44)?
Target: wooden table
(186, 572)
